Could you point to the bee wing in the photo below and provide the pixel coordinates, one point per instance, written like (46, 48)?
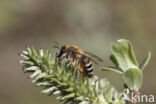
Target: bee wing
(88, 57)
(85, 55)
(93, 60)
(93, 56)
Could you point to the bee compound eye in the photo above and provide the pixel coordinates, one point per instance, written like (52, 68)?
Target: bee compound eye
(63, 50)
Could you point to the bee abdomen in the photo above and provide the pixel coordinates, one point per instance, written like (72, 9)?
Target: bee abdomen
(88, 67)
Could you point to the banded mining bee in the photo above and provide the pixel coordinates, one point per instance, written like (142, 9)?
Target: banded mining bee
(79, 57)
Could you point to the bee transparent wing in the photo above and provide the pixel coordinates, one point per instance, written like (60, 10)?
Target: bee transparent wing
(93, 56)
(84, 55)
(93, 60)
(89, 58)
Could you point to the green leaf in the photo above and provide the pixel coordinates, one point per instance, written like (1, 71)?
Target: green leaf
(145, 61)
(84, 102)
(118, 102)
(32, 68)
(57, 92)
(112, 69)
(40, 76)
(133, 78)
(33, 51)
(28, 63)
(29, 51)
(35, 60)
(123, 53)
(24, 56)
(69, 95)
(25, 52)
(43, 84)
(79, 98)
(37, 72)
(113, 59)
(70, 89)
(48, 90)
(63, 84)
(41, 52)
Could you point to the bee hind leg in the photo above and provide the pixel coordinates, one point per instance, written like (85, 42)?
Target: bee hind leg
(80, 67)
(73, 63)
(67, 63)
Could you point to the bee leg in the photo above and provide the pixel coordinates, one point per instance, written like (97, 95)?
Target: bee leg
(60, 61)
(73, 67)
(73, 63)
(67, 63)
(80, 67)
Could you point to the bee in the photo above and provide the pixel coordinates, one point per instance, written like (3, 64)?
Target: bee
(79, 57)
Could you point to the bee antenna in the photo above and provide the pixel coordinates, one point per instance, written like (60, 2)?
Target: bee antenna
(56, 43)
(56, 47)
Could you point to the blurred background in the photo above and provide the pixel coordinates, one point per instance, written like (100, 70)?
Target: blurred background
(91, 24)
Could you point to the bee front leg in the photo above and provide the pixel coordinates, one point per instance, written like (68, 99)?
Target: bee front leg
(60, 61)
(67, 63)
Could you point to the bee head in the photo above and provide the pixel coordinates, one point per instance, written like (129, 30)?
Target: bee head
(62, 51)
